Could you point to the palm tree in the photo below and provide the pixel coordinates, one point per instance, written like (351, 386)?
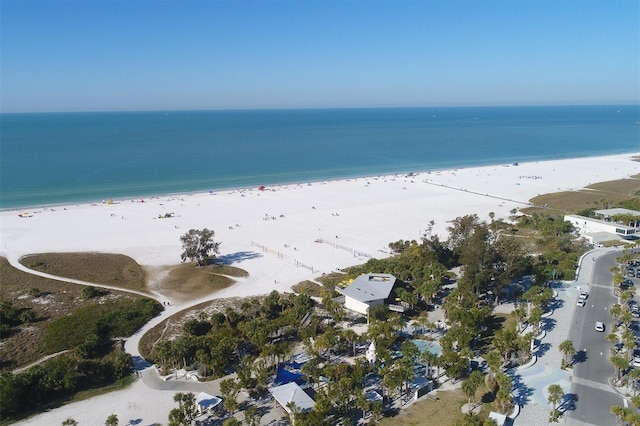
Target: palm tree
(634, 375)
(613, 339)
(494, 360)
(471, 385)
(629, 342)
(620, 364)
(555, 398)
(112, 420)
(567, 350)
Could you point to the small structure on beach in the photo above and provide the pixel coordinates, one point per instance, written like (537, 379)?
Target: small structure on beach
(369, 290)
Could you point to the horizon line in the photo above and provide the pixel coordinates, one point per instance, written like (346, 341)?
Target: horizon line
(515, 105)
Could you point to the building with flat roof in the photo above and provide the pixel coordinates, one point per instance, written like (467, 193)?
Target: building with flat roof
(610, 215)
(596, 230)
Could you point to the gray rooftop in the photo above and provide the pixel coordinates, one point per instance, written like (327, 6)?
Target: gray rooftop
(616, 211)
(370, 287)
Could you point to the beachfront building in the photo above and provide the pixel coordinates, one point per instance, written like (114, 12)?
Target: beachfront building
(369, 290)
(623, 216)
(604, 227)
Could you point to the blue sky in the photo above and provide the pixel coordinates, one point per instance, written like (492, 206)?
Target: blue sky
(87, 55)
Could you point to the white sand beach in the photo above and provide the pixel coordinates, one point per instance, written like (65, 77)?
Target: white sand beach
(307, 229)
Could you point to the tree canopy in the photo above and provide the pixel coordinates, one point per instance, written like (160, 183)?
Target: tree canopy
(199, 246)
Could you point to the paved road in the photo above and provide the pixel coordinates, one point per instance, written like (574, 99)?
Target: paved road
(590, 391)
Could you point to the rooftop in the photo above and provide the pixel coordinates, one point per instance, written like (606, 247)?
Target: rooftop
(370, 287)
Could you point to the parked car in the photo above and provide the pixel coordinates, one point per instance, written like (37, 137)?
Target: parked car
(636, 361)
(580, 303)
(599, 326)
(583, 295)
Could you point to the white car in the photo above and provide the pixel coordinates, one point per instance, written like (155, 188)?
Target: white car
(583, 295)
(581, 303)
(636, 361)
(599, 326)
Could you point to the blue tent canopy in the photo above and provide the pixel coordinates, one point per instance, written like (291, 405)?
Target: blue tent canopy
(285, 376)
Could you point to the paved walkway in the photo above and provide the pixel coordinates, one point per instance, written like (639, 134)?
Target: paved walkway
(530, 384)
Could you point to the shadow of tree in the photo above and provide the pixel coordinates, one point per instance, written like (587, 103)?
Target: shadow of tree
(556, 304)
(522, 393)
(548, 324)
(542, 349)
(231, 258)
(568, 402)
(140, 363)
(579, 356)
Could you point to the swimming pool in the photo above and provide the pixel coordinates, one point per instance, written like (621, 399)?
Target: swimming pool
(427, 345)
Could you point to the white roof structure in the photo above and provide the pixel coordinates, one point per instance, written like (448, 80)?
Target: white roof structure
(205, 402)
(616, 211)
(370, 287)
(499, 418)
(587, 226)
(291, 392)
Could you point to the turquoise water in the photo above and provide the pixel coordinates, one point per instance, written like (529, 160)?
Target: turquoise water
(71, 157)
(425, 345)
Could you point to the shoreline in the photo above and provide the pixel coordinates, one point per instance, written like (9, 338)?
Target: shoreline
(354, 218)
(215, 191)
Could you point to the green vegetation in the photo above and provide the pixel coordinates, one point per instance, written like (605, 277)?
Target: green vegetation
(198, 246)
(30, 303)
(57, 380)
(100, 268)
(213, 344)
(48, 316)
(309, 288)
(618, 193)
(101, 322)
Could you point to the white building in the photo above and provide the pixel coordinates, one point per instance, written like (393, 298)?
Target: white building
(291, 395)
(367, 291)
(597, 230)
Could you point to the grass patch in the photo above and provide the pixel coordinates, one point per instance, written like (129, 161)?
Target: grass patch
(230, 271)
(309, 288)
(594, 196)
(48, 300)
(445, 411)
(100, 268)
(332, 278)
(187, 282)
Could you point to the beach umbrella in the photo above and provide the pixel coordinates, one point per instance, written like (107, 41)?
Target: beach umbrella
(261, 188)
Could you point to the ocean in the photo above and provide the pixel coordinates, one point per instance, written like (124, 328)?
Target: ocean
(64, 158)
